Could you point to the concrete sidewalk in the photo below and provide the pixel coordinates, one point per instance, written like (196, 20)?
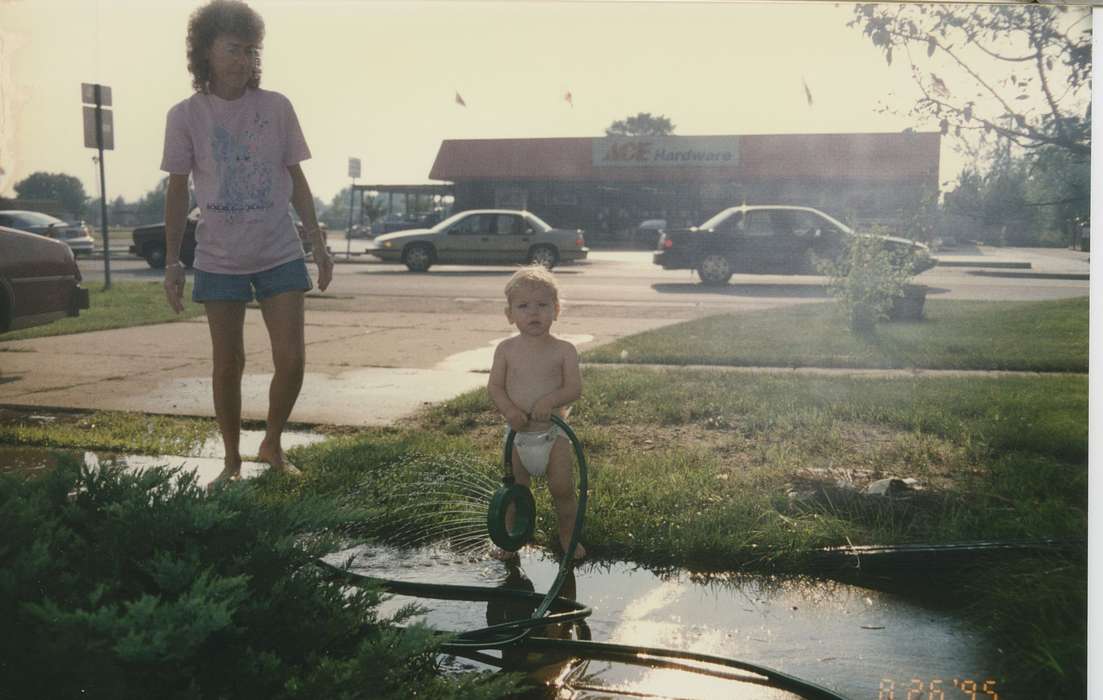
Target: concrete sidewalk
(368, 368)
(1051, 263)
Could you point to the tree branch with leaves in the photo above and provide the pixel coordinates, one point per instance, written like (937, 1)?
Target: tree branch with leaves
(1021, 72)
(643, 124)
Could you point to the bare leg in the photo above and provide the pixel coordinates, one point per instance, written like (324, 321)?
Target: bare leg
(226, 320)
(283, 315)
(522, 477)
(561, 486)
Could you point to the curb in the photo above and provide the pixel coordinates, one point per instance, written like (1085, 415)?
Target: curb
(1033, 275)
(993, 263)
(902, 372)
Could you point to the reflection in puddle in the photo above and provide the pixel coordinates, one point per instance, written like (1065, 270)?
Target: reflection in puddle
(850, 639)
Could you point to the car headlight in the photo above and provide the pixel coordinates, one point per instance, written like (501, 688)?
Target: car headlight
(387, 244)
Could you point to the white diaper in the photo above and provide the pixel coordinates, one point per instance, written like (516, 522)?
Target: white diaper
(535, 448)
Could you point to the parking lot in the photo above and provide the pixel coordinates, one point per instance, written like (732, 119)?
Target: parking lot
(627, 284)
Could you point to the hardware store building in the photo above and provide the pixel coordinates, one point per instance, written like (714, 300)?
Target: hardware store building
(609, 185)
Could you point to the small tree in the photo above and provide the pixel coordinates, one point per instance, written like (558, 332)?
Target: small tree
(643, 124)
(867, 280)
(66, 189)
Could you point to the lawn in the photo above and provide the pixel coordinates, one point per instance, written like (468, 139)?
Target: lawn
(1044, 336)
(108, 431)
(723, 471)
(126, 304)
(695, 466)
(720, 472)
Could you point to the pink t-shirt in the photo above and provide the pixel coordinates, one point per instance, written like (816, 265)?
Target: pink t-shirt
(237, 152)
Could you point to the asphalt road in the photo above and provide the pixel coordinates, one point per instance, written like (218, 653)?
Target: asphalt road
(627, 284)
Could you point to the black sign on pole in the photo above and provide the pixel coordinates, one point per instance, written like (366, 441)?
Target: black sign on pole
(99, 133)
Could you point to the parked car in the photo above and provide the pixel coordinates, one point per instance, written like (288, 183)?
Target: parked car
(76, 234)
(648, 231)
(39, 281)
(482, 236)
(771, 239)
(365, 230)
(149, 241)
(397, 222)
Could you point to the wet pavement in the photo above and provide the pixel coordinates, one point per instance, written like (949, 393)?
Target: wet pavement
(205, 461)
(366, 369)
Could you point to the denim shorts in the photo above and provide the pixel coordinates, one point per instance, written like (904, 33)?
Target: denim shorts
(215, 286)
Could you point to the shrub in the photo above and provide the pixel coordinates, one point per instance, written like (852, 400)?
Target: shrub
(867, 279)
(123, 585)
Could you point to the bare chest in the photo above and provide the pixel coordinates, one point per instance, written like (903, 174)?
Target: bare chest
(531, 375)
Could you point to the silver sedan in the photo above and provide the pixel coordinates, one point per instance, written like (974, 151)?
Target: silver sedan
(482, 237)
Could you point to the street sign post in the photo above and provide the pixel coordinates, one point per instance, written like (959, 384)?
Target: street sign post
(99, 133)
(354, 172)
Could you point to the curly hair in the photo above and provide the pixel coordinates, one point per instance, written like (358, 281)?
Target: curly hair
(533, 276)
(217, 17)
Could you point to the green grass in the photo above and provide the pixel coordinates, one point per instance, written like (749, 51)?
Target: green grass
(125, 305)
(1001, 457)
(1045, 336)
(693, 468)
(111, 431)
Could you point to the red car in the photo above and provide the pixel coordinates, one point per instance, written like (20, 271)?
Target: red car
(39, 280)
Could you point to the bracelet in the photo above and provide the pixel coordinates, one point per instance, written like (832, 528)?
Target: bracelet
(176, 264)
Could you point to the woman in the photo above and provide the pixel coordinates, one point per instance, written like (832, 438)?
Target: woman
(242, 147)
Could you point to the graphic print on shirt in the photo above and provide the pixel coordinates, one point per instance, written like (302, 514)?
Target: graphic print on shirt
(244, 180)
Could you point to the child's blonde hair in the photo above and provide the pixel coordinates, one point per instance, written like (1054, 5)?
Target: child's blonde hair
(532, 276)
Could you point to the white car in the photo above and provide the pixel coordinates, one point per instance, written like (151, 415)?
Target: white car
(482, 237)
(77, 235)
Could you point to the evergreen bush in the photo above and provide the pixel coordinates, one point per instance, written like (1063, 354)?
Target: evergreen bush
(141, 585)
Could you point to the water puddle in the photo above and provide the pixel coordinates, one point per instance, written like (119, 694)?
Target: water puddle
(205, 461)
(858, 642)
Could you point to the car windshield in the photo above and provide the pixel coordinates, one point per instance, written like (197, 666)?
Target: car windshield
(33, 218)
(449, 221)
(717, 219)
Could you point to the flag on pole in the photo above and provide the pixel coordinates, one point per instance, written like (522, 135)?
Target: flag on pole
(459, 100)
(569, 99)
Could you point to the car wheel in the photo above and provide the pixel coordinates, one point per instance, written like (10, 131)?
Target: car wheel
(543, 255)
(714, 269)
(155, 256)
(417, 257)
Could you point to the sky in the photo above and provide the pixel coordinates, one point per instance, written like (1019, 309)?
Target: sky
(377, 80)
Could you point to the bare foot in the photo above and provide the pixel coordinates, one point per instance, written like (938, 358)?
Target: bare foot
(231, 472)
(275, 458)
(503, 554)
